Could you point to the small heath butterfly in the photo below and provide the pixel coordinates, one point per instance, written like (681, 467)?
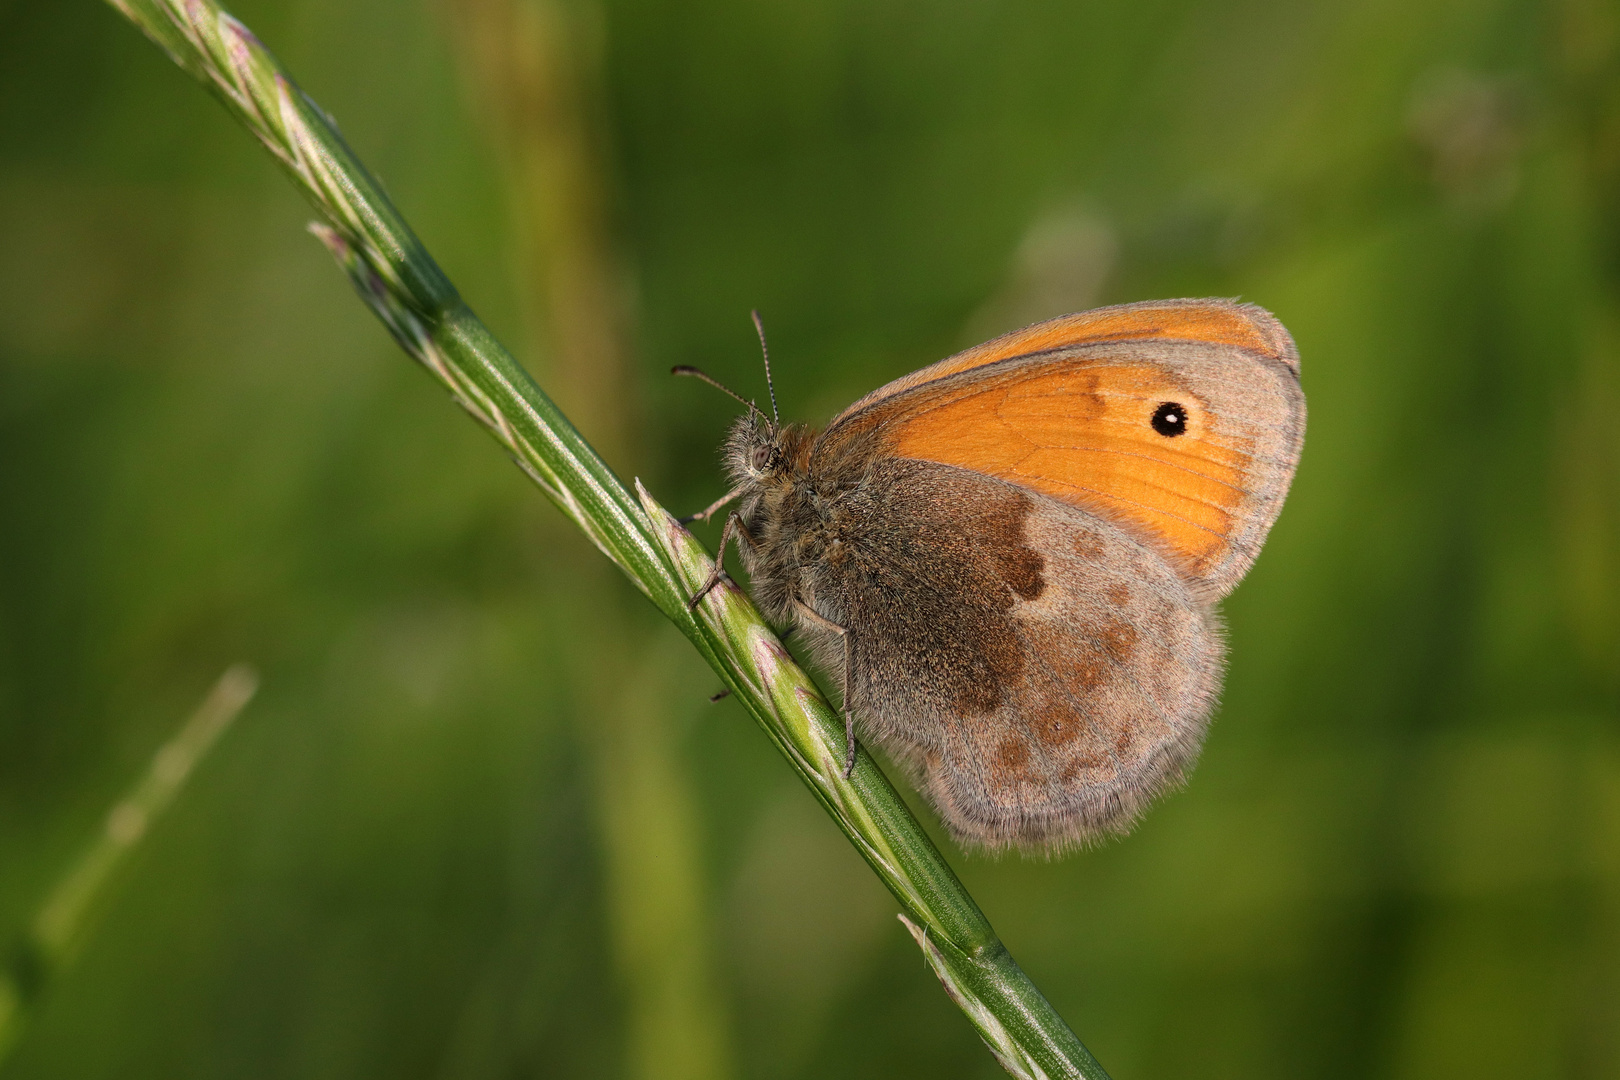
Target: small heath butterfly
(1011, 559)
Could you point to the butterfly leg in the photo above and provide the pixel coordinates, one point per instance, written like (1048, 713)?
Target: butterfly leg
(713, 508)
(734, 527)
(814, 618)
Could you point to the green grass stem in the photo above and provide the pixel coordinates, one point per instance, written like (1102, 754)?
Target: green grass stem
(394, 274)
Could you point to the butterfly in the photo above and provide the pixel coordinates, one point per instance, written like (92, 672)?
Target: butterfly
(1011, 559)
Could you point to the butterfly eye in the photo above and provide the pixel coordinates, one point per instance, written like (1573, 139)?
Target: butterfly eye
(1170, 420)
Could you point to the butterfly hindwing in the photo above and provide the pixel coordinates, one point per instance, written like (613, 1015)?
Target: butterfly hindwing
(1043, 672)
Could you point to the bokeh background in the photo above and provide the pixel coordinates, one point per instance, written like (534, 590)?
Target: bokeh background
(481, 820)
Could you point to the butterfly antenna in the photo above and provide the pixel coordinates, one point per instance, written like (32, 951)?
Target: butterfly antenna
(759, 325)
(683, 369)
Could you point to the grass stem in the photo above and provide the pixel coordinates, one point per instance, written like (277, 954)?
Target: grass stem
(394, 274)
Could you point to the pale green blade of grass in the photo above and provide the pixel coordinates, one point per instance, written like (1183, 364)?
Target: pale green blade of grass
(68, 914)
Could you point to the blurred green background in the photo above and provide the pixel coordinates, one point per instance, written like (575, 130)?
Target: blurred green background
(481, 820)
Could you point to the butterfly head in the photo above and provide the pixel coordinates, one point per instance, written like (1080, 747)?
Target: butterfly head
(761, 452)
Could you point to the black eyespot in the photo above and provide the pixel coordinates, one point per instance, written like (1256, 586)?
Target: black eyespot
(1170, 420)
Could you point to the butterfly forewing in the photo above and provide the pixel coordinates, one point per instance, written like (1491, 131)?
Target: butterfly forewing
(1189, 444)
(1212, 322)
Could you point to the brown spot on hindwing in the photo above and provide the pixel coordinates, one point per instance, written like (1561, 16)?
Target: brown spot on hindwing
(1022, 571)
(1013, 755)
(1117, 640)
(1054, 726)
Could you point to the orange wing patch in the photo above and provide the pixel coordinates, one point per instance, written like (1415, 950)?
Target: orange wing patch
(1212, 322)
(1081, 432)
